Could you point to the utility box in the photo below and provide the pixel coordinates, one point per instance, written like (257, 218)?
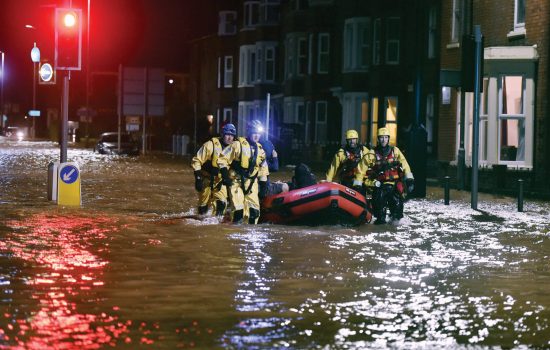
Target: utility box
(52, 181)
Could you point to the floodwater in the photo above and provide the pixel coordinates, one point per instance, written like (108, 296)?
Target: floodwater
(132, 268)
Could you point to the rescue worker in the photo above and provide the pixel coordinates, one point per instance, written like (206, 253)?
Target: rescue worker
(244, 171)
(388, 172)
(345, 162)
(208, 181)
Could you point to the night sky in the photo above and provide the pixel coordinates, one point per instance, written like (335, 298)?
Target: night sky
(128, 32)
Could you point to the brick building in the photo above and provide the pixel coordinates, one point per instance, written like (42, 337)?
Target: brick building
(327, 66)
(514, 124)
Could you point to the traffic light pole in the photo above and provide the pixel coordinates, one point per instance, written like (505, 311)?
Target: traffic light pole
(65, 117)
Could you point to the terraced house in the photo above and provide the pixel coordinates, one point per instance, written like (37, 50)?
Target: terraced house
(514, 112)
(322, 67)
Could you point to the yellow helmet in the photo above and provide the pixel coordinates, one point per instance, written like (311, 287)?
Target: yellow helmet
(351, 134)
(383, 132)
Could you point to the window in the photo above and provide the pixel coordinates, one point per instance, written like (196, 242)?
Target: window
(247, 65)
(227, 24)
(323, 53)
(228, 115)
(511, 118)
(356, 44)
(352, 110)
(247, 112)
(390, 114)
(295, 112)
(392, 40)
(270, 64)
(270, 11)
(251, 13)
(376, 41)
(321, 113)
(296, 55)
(300, 4)
(310, 54)
(484, 121)
(219, 85)
(456, 25)
(228, 72)
(302, 56)
(519, 14)
(432, 32)
(391, 118)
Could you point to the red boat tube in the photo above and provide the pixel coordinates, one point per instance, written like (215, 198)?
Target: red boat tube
(326, 203)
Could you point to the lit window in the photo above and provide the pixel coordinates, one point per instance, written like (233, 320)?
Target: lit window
(511, 118)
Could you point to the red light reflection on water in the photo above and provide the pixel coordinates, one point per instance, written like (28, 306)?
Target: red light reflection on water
(63, 269)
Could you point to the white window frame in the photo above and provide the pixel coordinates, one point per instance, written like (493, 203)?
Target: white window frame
(292, 105)
(265, 6)
(321, 107)
(246, 54)
(356, 44)
(396, 42)
(519, 117)
(228, 72)
(228, 115)
(456, 20)
(310, 53)
(219, 83)
(270, 49)
(517, 23)
(251, 14)
(352, 105)
(323, 53)
(226, 25)
(430, 118)
(293, 54)
(302, 59)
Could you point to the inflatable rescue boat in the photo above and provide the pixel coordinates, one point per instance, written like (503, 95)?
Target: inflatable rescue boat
(325, 203)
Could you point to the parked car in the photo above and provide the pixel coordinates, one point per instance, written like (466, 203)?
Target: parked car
(108, 144)
(15, 133)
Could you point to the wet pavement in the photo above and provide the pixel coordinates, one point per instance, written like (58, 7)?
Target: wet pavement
(133, 269)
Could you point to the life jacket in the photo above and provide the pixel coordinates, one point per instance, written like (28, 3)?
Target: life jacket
(349, 165)
(385, 168)
(248, 164)
(213, 162)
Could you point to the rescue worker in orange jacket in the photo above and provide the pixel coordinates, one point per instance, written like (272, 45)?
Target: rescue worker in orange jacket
(344, 166)
(208, 181)
(388, 172)
(244, 171)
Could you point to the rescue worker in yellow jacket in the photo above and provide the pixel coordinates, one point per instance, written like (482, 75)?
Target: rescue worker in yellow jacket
(344, 166)
(208, 181)
(244, 170)
(388, 172)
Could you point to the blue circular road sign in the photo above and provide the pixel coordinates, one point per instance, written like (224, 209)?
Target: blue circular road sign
(69, 174)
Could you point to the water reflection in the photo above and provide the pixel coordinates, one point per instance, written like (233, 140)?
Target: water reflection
(133, 269)
(60, 273)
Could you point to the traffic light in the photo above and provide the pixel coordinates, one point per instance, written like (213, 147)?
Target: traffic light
(68, 39)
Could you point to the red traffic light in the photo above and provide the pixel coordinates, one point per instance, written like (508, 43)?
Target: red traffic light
(68, 39)
(69, 19)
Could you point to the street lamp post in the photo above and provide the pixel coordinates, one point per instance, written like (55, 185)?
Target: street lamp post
(35, 57)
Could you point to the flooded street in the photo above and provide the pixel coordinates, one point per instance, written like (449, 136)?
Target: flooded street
(129, 270)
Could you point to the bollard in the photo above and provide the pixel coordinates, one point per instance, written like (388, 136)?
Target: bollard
(447, 180)
(520, 195)
(174, 144)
